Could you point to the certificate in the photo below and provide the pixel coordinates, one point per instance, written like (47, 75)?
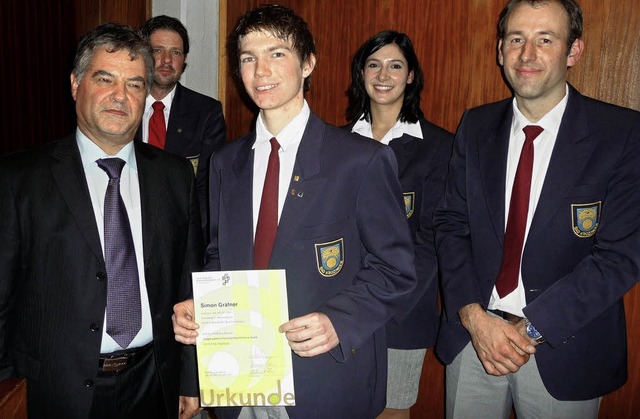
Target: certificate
(242, 358)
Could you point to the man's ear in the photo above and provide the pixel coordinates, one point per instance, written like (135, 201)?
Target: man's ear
(74, 86)
(575, 52)
(308, 66)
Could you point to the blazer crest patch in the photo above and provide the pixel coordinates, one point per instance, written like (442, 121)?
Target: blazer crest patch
(409, 200)
(330, 257)
(585, 218)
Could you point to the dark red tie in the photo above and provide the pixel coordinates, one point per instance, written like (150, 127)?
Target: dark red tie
(517, 222)
(268, 217)
(157, 127)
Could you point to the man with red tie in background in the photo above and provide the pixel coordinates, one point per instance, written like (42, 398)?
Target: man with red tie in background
(538, 233)
(177, 119)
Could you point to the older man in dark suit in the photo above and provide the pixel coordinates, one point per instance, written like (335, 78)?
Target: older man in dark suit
(99, 235)
(538, 233)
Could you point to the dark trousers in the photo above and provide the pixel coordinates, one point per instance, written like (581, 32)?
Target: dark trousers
(133, 393)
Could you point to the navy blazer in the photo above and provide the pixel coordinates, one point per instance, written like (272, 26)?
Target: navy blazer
(53, 289)
(196, 129)
(422, 169)
(344, 188)
(575, 275)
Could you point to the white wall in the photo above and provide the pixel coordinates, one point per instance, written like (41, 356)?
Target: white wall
(201, 20)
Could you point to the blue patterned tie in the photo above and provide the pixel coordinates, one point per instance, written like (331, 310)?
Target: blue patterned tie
(124, 313)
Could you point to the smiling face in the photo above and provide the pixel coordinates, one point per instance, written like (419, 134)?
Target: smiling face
(273, 75)
(169, 57)
(110, 98)
(534, 56)
(386, 75)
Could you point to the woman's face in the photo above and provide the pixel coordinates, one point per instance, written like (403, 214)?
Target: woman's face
(386, 75)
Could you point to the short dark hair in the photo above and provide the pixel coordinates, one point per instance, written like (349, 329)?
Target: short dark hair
(571, 6)
(359, 101)
(113, 37)
(281, 22)
(168, 23)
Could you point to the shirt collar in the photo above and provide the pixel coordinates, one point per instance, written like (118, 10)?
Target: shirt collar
(550, 122)
(363, 127)
(90, 152)
(167, 100)
(290, 134)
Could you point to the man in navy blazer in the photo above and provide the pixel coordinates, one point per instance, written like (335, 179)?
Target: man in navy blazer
(55, 271)
(195, 126)
(556, 343)
(337, 192)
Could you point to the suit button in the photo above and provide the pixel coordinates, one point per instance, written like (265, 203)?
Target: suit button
(88, 383)
(354, 351)
(94, 327)
(101, 276)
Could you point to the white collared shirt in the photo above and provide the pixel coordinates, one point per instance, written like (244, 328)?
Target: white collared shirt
(97, 181)
(289, 139)
(148, 112)
(543, 147)
(363, 127)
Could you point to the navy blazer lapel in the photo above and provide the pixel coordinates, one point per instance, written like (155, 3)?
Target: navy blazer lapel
(148, 179)
(236, 186)
(570, 153)
(492, 155)
(67, 170)
(306, 183)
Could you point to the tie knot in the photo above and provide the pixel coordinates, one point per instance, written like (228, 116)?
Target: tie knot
(275, 145)
(531, 132)
(113, 166)
(158, 105)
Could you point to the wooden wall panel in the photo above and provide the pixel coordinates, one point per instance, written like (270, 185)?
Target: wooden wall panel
(456, 43)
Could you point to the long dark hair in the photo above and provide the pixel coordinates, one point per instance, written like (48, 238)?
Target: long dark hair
(359, 102)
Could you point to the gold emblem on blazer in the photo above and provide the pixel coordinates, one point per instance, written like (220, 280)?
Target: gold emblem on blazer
(409, 200)
(194, 162)
(585, 218)
(330, 257)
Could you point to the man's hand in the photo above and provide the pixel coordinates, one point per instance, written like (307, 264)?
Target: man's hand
(310, 335)
(188, 407)
(183, 325)
(499, 345)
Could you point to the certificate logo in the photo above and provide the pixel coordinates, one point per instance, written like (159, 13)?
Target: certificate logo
(585, 218)
(225, 279)
(409, 199)
(330, 257)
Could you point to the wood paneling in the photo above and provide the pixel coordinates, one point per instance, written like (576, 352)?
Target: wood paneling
(456, 43)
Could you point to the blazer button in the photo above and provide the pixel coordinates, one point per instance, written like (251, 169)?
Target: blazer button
(94, 327)
(88, 383)
(354, 351)
(101, 276)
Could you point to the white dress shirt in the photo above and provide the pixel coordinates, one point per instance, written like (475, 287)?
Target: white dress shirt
(515, 301)
(97, 181)
(289, 139)
(148, 112)
(363, 127)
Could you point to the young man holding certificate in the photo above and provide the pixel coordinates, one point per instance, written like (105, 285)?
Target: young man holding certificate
(335, 223)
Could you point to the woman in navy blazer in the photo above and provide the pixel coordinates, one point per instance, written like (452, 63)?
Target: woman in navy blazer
(384, 104)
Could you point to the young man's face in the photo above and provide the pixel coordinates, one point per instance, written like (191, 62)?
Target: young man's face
(272, 73)
(534, 55)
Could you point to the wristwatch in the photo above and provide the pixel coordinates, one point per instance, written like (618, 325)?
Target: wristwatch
(532, 332)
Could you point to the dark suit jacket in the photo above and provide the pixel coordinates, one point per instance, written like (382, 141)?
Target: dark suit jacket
(53, 290)
(574, 283)
(343, 187)
(422, 169)
(196, 129)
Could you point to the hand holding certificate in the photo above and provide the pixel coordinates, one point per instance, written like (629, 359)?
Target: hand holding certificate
(242, 358)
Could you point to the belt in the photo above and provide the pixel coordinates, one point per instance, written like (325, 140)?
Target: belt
(511, 318)
(121, 360)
